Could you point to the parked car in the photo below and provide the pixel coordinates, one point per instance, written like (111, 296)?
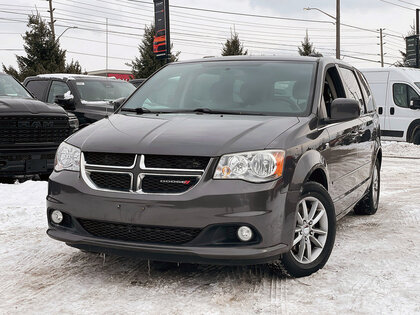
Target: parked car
(224, 161)
(88, 97)
(137, 82)
(397, 92)
(30, 132)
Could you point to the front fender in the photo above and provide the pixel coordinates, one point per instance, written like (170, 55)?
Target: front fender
(309, 162)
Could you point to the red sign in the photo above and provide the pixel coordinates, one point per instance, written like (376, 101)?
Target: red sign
(119, 76)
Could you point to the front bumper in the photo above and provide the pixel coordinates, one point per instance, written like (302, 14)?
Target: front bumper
(26, 161)
(268, 208)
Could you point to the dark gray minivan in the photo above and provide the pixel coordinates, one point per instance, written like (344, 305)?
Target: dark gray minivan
(236, 160)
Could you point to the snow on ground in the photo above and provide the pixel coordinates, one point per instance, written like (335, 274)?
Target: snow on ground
(373, 267)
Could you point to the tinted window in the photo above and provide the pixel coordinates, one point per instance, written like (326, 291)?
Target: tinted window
(403, 94)
(370, 105)
(103, 90)
(352, 87)
(38, 88)
(278, 88)
(57, 88)
(9, 87)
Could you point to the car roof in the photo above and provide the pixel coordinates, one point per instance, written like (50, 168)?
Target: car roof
(66, 76)
(396, 73)
(266, 58)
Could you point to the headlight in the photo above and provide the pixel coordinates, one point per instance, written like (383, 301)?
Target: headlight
(74, 123)
(67, 158)
(257, 166)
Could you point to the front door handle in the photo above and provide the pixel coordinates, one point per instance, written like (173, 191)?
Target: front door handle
(380, 110)
(392, 110)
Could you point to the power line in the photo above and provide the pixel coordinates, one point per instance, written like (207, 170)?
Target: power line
(397, 5)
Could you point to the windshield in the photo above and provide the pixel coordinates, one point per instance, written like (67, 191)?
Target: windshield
(242, 87)
(9, 87)
(418, 84)
(103, 90)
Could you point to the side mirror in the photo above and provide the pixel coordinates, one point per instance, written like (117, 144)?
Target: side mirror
(415, 103)
(66, 101)
(118, 102)
(343, 109)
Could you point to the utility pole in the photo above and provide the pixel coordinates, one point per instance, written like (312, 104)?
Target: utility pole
(382, 47)
(52, 19)
(106, 68)
(337, 30)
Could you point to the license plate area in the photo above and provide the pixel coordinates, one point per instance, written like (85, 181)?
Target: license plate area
(37, 165)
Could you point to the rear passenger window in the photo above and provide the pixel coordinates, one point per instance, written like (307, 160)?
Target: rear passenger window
(403, 94)
(38, 88)
(370, 105)
(352, 87)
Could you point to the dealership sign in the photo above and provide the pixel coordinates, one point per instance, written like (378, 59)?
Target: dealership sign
(412, 51)
(161, 41)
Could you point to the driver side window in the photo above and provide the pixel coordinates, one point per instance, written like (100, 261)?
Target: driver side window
(57, 88)
(403, 94)
(332, 89)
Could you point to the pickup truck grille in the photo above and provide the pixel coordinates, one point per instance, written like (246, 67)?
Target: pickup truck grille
(33, 129)
(139, 233)
(152, 174)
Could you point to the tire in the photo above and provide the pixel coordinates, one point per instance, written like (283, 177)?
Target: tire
(302, 263)
(369, 203)
(7, 180)
(416, 137)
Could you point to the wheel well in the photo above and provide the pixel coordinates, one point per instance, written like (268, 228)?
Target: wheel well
(320, 177)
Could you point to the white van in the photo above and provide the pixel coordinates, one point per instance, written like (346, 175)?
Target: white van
(397, 95)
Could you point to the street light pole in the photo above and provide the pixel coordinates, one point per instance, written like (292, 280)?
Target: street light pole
(68, 28)
(337, 26)
(337, 30)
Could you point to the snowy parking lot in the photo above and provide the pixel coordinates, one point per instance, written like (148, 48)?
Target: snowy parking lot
(373, 267)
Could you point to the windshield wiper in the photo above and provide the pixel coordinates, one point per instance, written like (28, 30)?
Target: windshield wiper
(206, 110)
(137, 110)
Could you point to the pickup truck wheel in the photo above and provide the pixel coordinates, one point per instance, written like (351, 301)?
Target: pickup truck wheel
(369, 204)
(314, 233)
(7, 180)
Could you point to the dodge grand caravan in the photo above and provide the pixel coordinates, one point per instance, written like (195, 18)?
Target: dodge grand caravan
(224, 161)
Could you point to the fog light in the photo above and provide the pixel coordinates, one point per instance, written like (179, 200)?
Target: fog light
(57, 216)
(245, 233)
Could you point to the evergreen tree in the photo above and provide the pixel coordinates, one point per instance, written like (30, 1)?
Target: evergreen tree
(307, 48)
(147, 63)
(233, 46)
(74, 67)
(43, 53)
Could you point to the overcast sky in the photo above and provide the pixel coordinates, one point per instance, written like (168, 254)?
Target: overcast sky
(198, 33)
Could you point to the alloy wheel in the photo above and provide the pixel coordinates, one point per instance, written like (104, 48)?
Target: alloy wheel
(311, 230)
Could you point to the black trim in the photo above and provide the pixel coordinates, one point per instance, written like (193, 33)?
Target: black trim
(392, 133)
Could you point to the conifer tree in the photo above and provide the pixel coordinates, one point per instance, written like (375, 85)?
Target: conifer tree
(307, 48)
(43, 53)
(147, 63)
(233, 46)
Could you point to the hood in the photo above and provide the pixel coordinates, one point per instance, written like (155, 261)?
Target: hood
(11, 105)
(181, 134)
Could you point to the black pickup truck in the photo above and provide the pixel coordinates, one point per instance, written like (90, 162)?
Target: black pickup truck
(30, 132)
(89, 97)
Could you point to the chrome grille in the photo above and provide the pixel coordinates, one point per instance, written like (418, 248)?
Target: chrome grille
(121, 172)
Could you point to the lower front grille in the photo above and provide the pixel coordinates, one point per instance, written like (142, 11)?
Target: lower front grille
(165, 184)
(139, 233)
(111, 181)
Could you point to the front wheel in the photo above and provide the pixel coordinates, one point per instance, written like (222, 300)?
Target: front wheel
(314, 233)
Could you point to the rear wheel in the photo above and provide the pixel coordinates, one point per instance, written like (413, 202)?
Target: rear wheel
(416, 137)
(369, 204)
(314, 233)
